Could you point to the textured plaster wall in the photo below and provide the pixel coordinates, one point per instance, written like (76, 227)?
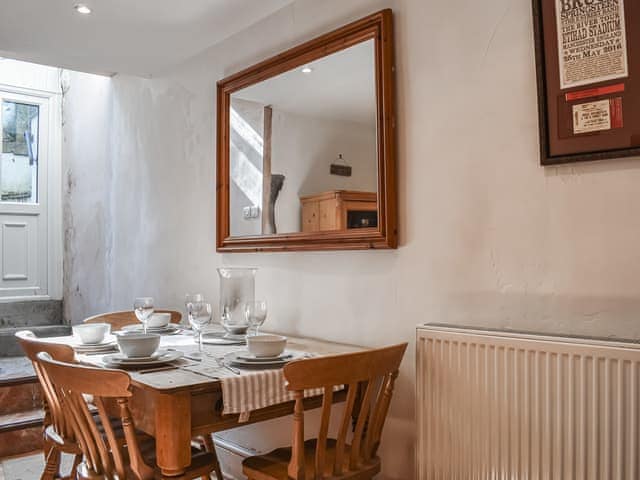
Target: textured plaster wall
(488, 237)
(86, 174)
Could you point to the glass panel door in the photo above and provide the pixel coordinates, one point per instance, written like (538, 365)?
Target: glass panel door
(19, 165)
(24, 122)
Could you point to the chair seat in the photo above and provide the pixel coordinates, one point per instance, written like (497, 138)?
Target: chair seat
(273, 465)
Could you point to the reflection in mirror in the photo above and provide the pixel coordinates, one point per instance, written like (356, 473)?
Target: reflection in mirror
(303, 155)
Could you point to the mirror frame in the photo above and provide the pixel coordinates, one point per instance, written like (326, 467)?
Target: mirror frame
(378, 27)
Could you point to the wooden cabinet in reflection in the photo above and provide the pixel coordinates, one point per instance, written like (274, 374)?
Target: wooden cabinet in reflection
(339, 210)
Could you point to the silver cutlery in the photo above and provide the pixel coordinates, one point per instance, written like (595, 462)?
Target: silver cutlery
(222, 364)
(206, 375)
(158, 369)
(194, 359)
(232, 369)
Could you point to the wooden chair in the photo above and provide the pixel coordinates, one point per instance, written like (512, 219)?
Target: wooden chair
(105, 456)
(117, 320)
(58, 434)
(372, 372)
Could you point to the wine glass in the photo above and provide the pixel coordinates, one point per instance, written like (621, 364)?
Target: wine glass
(190, 298)
(199, 314)
(143, 308)
(256, 314)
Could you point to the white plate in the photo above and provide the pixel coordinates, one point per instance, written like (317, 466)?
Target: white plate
(223, 339)
(119, 357)
(108, 340)
(108, 348)
(247, 356)
(104, 347)
(234, 360)
(171, 328)
(115, 360)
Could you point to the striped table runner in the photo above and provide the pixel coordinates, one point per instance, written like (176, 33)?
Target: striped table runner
(254, 390)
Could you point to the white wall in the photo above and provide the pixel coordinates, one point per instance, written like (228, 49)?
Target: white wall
(86, 161)
(488, 237)
(29, 75)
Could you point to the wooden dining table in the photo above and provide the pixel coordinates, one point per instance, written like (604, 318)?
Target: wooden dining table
(175, 405)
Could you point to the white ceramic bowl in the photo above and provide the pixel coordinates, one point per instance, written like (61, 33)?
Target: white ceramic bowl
(159, 320)
(91, 333)
(138, 344)
(266, 345)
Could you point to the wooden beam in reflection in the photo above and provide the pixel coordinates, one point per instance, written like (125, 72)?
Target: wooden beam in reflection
(266, 170)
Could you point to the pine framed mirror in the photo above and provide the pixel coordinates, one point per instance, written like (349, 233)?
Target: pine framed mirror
(306, 146)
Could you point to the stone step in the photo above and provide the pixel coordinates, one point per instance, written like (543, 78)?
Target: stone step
(16, 371)
(21, 420)
(21, 413)
(9, 346)
(17, 397)
(31, 314)
(21, 432)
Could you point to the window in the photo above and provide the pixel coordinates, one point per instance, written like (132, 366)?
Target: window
(19, 165)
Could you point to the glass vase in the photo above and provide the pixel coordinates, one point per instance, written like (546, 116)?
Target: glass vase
(237, 287)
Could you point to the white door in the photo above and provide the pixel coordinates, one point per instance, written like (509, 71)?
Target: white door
(24, 196)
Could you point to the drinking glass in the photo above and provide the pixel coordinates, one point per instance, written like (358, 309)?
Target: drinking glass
(256, 314)
(193, 297)
(143, 308)
(199, 314)
(190, 298)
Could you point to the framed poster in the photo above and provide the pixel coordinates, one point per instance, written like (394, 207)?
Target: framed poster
(588, 72)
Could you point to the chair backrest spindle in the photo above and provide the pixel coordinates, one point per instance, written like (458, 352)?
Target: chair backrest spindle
(321, 450)
(297, 465)
(338, 464)
(379, 416)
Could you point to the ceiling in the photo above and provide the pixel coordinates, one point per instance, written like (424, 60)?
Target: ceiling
(340, 86)
(138, 37)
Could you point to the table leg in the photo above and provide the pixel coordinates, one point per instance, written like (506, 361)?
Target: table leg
(173, 432)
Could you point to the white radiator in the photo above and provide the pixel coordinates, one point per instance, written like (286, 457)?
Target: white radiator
(496, 406)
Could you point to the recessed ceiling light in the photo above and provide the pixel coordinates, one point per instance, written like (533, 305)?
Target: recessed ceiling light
(307, 70)
(82, 8)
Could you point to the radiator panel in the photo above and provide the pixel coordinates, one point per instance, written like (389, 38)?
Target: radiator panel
(494, 407)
